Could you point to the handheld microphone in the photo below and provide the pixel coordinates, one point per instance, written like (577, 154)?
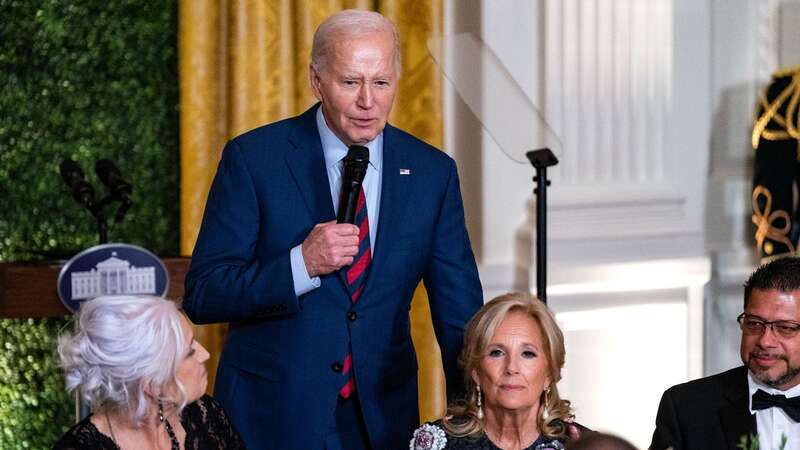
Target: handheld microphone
(110, 175)
(355, 167)
(73, 175)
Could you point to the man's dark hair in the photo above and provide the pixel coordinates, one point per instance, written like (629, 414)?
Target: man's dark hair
(782, 274)
(594, 440)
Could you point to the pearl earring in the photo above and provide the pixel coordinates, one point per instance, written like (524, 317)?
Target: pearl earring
(480, 406)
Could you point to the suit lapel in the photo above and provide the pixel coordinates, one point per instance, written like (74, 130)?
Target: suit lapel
(307, 165)
(735, 417)
(394, 188)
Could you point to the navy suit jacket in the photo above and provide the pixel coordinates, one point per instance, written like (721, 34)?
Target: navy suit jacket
(277, 375)
(708, 413)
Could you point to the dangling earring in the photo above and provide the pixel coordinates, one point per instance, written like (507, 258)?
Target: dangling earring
(160, 412)
(480, 406)
(545, 411)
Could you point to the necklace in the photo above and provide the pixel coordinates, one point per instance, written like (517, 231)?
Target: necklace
(111, 429)
(496, 443)
(173, 439)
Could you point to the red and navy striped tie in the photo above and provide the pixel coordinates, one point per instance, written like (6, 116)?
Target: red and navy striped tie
(356, 279)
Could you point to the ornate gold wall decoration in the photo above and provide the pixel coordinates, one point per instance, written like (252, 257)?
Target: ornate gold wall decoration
(776, 173)
(765, 221)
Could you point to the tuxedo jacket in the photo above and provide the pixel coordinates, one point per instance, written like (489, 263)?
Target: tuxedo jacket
(280, 369)
(709, 413)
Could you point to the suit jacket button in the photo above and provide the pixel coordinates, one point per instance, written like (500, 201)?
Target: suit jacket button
(352, 316)
(337, 367)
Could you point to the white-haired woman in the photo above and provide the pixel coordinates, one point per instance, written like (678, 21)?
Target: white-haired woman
(135, 361)
(512, 357)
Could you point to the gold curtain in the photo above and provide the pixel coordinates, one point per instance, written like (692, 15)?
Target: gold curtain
(244, 63)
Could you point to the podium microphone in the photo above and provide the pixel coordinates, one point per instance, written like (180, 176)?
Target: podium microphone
(73, 175)
(355, 167)
(120, 189)
(110, 175)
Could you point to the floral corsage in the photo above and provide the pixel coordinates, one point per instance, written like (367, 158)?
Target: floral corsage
(428, 437)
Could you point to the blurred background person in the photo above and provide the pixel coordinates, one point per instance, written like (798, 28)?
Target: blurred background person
(512, 358)
(600, 441)
(134, 360)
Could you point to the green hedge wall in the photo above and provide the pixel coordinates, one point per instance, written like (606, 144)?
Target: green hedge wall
(82, 80)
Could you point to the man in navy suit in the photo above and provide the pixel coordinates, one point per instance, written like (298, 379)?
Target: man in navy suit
(316, 356)
(760, 399)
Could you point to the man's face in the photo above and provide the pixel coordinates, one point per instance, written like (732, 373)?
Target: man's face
(357, 86)
(772, 359)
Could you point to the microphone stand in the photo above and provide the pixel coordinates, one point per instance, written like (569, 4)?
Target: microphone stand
(102, 225)
(541, 159)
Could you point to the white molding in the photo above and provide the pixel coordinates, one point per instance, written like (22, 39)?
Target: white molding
(608, 86)
(496, 279)
(607, 75)
(767, 51)
(612, 211)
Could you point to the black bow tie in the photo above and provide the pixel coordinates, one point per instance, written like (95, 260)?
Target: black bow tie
(791, 406)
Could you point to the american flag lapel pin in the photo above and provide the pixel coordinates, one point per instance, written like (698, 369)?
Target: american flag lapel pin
(405, 171)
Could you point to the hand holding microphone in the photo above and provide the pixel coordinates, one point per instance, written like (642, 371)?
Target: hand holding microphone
(332, 245)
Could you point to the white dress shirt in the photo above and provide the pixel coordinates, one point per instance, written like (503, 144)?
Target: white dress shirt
(334, 151)
(773, 423)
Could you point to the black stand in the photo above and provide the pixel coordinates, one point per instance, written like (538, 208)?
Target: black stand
(102, 221)
(102, 225)
(541, 159)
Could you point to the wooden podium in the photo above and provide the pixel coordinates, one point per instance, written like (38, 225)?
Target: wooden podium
(29, 289)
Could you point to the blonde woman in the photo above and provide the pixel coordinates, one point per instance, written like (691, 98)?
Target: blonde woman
(512, 358)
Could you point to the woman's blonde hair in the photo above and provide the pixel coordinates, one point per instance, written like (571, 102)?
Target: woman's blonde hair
(462, 418)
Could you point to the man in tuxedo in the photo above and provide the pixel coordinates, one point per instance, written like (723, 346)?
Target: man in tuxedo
(760, 398)
(319, 353)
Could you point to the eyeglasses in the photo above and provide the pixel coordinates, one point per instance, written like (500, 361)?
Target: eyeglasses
(756, 325)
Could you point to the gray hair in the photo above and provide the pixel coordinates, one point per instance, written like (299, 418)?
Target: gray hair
(349, 24)
(124, 348)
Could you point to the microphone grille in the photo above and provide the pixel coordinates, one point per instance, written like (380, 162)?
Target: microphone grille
(105, 168)
(69, 168)
(358, 153)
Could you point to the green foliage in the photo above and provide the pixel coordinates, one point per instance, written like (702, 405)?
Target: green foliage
(35, 410)
(750, 442)
(86, 80)
(82, 80)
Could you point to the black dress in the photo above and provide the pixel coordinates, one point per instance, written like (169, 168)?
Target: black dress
(207, 428)
(432, 436)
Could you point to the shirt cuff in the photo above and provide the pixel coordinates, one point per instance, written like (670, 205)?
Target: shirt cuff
(302, 282)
